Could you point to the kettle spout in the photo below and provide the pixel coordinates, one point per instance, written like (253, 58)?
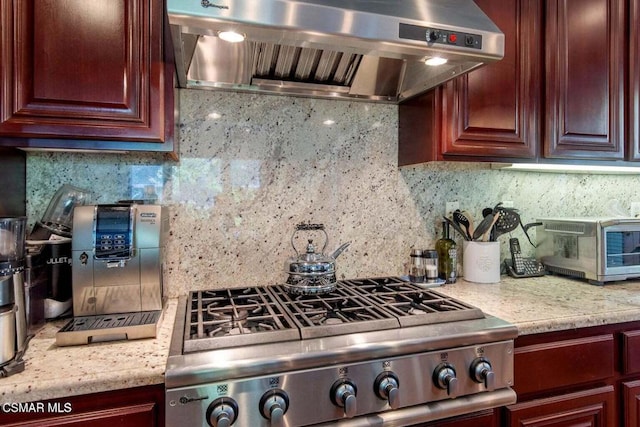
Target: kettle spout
(341, 249)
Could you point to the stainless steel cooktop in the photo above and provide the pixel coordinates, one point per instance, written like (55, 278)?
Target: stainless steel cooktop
(237, 317)
(258, 356)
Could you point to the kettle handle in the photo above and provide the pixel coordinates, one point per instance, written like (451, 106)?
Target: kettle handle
(305, 226)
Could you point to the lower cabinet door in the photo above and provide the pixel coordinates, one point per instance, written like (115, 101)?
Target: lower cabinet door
(631, 410)
(135, 407)
(595, 407)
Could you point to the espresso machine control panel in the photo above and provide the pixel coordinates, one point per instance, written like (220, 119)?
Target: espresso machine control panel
(114, 232)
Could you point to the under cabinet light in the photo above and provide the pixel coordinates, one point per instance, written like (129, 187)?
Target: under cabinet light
(557, 168)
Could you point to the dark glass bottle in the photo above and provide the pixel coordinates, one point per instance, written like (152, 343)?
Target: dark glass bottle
(447, 256)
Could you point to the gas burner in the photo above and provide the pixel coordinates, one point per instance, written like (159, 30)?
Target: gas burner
(239, 316)
(236, 317)
(239, 322)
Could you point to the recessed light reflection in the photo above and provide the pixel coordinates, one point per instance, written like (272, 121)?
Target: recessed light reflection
(214, 115)
(329, 122)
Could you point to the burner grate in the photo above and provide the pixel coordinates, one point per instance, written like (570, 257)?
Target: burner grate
(235, 317)
(336, 313)
(258, 315)
(413, 305)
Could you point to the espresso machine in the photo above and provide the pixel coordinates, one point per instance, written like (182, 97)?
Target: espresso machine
(117, 272)
(13, 319)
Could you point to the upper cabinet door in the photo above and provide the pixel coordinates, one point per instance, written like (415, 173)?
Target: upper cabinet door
(585, 60)
(495, 111)
(84, 70)
(634, 80)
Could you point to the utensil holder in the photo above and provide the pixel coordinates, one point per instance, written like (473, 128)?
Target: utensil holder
(481, 261)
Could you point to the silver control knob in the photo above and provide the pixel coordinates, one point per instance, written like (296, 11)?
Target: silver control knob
(482, 372)
(273, 406)
(343, 394)
(222, 412)
(444, 377)
(386, 386)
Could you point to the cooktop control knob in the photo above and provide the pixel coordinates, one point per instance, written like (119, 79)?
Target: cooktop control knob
(482, 372)
(444, 377)
(222, 412)
(386, 386)
(343, 394)
(273, 406)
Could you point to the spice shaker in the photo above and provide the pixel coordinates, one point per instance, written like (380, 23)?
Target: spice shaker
(416, 266)
(430, 261)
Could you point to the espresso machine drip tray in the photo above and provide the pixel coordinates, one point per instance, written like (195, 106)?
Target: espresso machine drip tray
(109, 327)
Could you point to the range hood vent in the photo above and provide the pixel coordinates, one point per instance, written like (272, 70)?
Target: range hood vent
(371, 50)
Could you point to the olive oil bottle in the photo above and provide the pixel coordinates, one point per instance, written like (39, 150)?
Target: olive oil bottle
(447, 256)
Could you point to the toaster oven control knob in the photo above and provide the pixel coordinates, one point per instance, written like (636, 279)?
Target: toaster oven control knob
(273, 406)
(444, 377)
(482, 372)
(343, 394)
(222, 412)
(386, 387)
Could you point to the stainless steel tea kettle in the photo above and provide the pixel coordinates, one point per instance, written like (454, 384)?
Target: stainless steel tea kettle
(312, 272)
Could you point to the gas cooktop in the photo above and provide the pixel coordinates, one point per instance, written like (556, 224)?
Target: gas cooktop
(253, 315)
(258, 356)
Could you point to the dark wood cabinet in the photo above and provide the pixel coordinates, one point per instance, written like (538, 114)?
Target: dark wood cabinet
(563, 363)
(585, 79)
(78, 74)
(594, 408)
(634, 80)
(631, 403)
(579, 377)
(136, 407)
(494, 111)
(559, 95)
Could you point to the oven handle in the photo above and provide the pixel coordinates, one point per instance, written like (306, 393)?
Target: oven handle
(431, 411)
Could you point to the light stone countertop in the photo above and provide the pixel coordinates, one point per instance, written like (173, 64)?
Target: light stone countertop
(53, 372)
(551, 303)
(534, 305)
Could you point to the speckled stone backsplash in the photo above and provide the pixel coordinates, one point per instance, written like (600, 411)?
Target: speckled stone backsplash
(253, 166)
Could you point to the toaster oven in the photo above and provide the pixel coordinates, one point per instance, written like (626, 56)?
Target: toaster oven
(599, 250)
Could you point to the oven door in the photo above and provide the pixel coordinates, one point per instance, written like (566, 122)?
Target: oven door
(620, 249)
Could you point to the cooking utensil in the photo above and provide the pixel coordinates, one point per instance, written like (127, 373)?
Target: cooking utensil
(508, 220)
(312, 273)
(462, 220)
(526, 228)
(484, 226)
(471, 224)
(456, 227)
(486, 236)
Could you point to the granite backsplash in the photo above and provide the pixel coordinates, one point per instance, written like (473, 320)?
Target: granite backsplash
(253, 166)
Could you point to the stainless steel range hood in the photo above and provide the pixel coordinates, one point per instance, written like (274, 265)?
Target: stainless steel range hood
(373, 50)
